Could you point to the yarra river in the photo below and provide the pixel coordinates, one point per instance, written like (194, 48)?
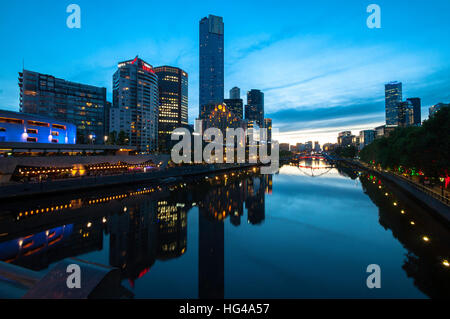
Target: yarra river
(309, 231)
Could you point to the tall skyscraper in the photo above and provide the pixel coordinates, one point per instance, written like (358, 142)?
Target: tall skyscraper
(211, 60)
(416, 103)
(79, 104)
(235, 93)
(135, 92)
(254, 110)
(393, 96)
(173, 103)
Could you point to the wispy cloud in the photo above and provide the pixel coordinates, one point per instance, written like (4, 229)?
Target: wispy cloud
(314, 85)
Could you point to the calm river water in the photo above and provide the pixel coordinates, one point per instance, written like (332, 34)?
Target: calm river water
(309, 231)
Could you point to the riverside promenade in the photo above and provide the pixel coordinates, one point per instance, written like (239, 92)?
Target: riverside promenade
(435, 202)
(16, 190)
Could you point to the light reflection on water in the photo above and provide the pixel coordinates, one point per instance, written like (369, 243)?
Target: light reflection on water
(309, 231)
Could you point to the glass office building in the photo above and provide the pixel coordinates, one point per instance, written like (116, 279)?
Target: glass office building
(211, 89)
(173, 103)
(393, 97)
(254, 110)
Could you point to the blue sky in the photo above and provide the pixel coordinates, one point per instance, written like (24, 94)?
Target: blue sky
(321, 68)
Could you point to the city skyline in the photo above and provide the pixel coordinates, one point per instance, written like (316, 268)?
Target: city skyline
(335, 83)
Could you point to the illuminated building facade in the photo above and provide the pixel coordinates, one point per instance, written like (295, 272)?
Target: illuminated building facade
(254, 110)
(173, 103)
(22, 127)
(79, 104)
(219, 116)
(135, 91)
(211, 60)
(236, 106)
(393, 96)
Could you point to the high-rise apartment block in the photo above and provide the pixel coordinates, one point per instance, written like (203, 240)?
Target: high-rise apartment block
(136, 103)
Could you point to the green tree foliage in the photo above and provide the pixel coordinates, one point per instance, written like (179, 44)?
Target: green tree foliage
(112, 138)
(426, 148)
(122, 139)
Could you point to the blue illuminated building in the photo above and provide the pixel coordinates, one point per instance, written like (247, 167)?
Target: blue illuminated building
(30, 128)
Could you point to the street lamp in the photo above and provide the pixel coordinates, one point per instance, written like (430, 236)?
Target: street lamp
(92, 138)
(442, 179)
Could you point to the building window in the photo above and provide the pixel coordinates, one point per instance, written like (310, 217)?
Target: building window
(54, 133)
(32, 131)
(37, 123)
(31, 139)
(58, 126)
(10, 120)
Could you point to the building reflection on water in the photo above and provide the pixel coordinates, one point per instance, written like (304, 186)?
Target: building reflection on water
(147, 224)
(144, 225)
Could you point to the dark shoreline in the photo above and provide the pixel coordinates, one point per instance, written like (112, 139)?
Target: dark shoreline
(14, 191)
(435, 206)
